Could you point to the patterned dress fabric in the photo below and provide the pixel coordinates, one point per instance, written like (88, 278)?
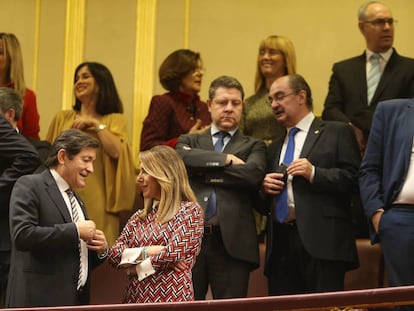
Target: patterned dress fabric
(182, 236)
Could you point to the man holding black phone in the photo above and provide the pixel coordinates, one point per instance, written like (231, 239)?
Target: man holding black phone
(313, 171)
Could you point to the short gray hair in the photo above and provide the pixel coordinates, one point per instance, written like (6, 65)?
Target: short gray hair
(363, 10)
(9, 99)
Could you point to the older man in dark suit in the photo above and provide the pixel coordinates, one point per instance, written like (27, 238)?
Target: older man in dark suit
(354, 91)
(54, 245)
(359, 83)
(225, 170)
(17, 158)
(312, 172)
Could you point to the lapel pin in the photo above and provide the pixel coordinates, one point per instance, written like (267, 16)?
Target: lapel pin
(316, 132)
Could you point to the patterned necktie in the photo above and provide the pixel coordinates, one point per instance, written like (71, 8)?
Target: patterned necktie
(75, 218)
(211, 209)
(281, 207)
(374, 76)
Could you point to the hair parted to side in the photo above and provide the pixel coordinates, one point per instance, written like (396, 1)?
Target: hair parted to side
(15, 70)
(108, 100)
(227, 82)
(9, 99)
(285, 46)
(176, 66)
(165, 165)
(72, 141)
(297, 84)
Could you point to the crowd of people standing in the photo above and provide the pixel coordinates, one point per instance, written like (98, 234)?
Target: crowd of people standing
(215, 178)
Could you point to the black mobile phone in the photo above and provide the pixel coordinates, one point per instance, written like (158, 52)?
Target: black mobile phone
(281, 169)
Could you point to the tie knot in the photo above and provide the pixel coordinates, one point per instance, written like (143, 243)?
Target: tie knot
(375, 58)
(69, 192)
(222, 134)
(293, 131)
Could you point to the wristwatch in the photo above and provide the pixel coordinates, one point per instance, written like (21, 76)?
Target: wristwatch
(100, 127)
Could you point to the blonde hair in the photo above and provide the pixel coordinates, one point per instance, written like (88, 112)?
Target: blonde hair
(285, 46)
(15, 70)
(165, 165)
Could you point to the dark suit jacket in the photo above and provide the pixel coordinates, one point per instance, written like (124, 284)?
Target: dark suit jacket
(323, 211)
(17, 158)
(347, 98)
(236, 186)
(387, 158)
(45, 254)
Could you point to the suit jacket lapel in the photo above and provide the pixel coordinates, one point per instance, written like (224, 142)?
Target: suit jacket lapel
(386, 75)
(56, 196)
(314, 133)
(234, 142)
(408, 127)
(360, 78)
(205, 140)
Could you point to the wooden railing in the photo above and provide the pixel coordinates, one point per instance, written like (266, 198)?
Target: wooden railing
(335, 301)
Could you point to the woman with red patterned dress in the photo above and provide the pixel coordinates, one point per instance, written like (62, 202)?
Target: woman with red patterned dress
(159, 244)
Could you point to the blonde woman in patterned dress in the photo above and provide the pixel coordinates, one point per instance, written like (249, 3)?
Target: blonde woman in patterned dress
(165, 236)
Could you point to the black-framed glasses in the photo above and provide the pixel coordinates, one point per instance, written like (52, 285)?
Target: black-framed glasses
(278, 97)
(381, 22)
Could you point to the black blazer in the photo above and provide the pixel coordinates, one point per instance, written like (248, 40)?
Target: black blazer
(45, 255)
(236, 186)
(323, 207)
(17, 158)
(347, 97)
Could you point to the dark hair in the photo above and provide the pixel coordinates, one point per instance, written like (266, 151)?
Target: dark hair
(72, 141)
(226, 82)
(108, 100)
(298, 83)
(9, 99)
(176, 66)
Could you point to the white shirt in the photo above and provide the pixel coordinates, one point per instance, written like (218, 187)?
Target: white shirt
(406, 196)
(300, 137)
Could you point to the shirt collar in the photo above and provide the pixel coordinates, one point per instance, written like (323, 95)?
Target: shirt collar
(214, 130)
(305, 123)
(385, 55)
(61, 183)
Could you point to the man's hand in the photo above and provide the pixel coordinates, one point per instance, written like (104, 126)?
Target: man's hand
(231, 159)
(273, 183)
(375, 219)
(86, 229)
(301, 167)
(98, 243)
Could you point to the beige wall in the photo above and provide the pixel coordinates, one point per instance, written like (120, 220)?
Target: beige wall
(226, 32)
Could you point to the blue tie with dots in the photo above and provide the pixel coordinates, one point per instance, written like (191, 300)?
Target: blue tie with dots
(281, 207)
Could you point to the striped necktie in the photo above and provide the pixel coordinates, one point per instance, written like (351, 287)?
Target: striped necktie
(374, 76)
(75, 218)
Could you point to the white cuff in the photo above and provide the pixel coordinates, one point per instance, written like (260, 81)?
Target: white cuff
(144, 269)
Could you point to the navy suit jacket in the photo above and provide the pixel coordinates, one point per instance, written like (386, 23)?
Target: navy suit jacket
(347, 97)
(45, 253)
(236, 186)
(387, 158)
(17, 158)
(323, 207)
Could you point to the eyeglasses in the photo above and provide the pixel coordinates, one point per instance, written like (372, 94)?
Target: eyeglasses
(278, 97)
(381, 22)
